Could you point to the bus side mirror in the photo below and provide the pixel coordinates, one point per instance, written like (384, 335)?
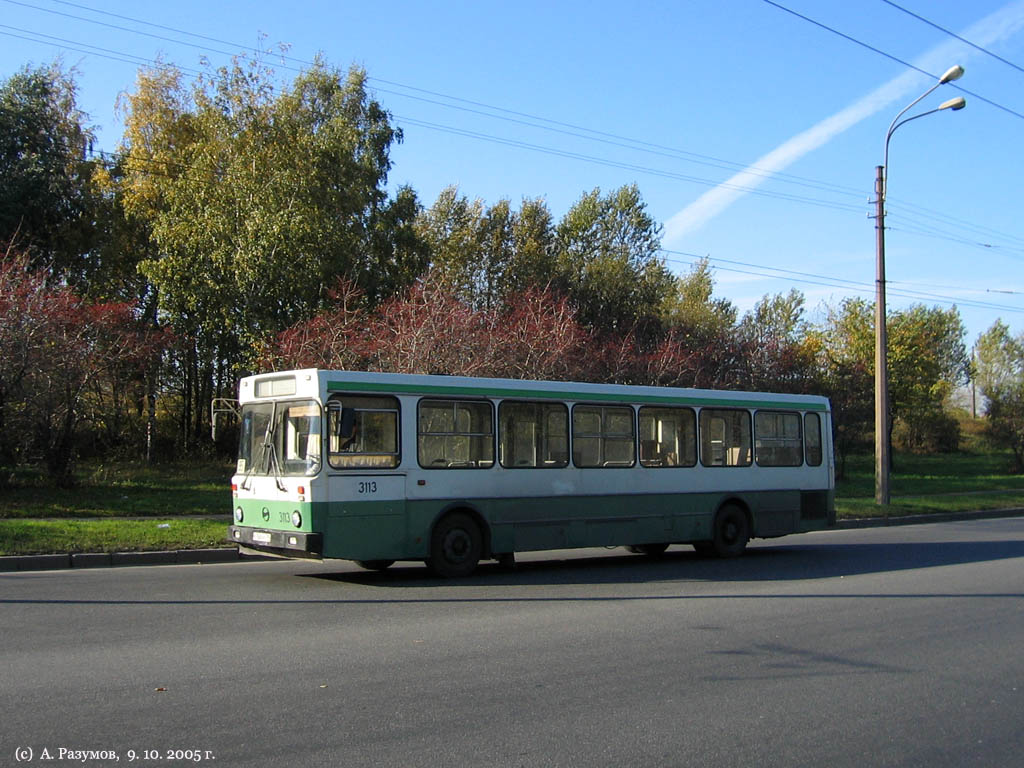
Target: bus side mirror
(347, 424)
(342, 420)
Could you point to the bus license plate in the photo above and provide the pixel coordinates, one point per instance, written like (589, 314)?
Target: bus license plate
(261, 537)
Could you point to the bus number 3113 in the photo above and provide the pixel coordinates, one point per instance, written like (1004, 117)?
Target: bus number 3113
(368, 486)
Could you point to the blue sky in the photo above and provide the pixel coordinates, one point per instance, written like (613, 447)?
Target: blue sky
(552, 99)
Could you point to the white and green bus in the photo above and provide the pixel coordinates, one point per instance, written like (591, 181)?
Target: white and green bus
(377, 467)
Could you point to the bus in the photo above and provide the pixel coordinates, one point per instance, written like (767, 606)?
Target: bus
(381, 467)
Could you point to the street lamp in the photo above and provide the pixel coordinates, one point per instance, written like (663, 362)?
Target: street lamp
(881, 337)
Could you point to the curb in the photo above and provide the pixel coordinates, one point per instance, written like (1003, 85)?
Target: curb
(942, 517)
(112, 559)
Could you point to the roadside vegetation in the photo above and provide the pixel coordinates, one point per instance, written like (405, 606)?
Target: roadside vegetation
(132, 506)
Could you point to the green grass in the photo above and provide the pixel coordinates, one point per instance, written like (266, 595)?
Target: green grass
(126, 506)
(25, 537)
(960, 482)
(118, 507)
(127, 489)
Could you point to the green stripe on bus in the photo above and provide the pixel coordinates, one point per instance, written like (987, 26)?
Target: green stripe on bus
(503, 392)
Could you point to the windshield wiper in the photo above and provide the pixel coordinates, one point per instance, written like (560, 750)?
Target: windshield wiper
(267, 458)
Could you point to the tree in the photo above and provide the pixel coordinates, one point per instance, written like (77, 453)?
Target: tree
(1000, 373)
(452, 230)
(488, 254)
(607, 260)
(56, 352)
(431, 329)
(47, 198)
(533, 249)
(778, 354)
(259, 197)
(692, 308)
(23, 332)
(702, 331)
(845, 359)
(927, 361)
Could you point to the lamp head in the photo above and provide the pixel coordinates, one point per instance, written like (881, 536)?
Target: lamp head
(954, 104)
(953, 73)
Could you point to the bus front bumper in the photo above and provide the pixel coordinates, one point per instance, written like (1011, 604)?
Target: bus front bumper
(288, 543)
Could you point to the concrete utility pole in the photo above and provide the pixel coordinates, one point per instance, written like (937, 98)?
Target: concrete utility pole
(882, 448)
(881, 350)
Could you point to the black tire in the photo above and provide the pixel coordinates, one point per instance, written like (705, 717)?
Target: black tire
(651, 550)
(375, 565)
(506, 560)
(456, 546)
(731, 531)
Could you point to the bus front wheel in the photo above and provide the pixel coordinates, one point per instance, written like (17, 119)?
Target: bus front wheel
(375, 565)
(455, 546)
(731, 531)
(651, 550)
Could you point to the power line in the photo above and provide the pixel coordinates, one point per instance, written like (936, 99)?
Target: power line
(945, 218)
(73, 45)
(115, 26)
(954, 35)
(898, 60)
(509, 142)
(625, 166)
(630, 143)
(807, 278)
(162, 168)
(503, 113)
(636, 145)
(611, 139)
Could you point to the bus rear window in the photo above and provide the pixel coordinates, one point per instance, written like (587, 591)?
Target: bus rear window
(812, 440)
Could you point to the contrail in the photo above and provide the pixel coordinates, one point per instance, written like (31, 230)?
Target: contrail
(993, 28)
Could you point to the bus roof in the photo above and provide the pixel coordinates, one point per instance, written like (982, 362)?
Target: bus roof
(328, 381)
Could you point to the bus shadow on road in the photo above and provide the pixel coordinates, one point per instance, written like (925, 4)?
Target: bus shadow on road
(773, 562)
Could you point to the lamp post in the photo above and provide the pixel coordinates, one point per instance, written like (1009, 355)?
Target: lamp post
(881, 336)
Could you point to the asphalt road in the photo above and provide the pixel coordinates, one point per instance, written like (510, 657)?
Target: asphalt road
(885, 646)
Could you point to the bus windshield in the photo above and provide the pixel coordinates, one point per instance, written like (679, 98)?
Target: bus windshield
(280, 439)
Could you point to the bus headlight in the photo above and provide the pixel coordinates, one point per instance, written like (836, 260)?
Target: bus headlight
(297, 519)
(239, 515)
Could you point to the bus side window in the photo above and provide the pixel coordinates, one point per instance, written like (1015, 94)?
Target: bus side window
(725, 437)
(363, 432)
(778, 441)
(668, 437)
(533, 435)
(455, 434)
(603, 436)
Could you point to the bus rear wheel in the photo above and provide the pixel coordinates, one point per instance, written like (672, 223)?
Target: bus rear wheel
(731, 531)
(456, 546)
